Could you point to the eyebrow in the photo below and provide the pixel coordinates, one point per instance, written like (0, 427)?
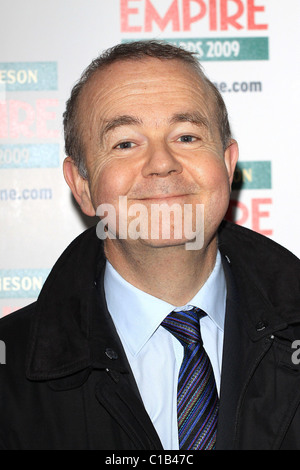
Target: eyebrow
(127, 120)
(118, 121)
(193, 117)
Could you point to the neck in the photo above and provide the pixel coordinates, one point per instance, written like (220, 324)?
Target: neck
(172, 274)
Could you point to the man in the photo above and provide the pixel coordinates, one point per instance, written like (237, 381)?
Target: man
(95, 362)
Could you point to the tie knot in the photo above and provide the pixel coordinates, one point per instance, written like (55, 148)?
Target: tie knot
(184, 325)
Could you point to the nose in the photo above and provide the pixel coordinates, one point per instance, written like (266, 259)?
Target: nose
(161, 162)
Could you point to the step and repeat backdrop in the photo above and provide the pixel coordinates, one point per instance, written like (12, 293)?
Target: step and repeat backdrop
(248, 48)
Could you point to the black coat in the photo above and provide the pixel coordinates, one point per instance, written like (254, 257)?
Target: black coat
(67, 384)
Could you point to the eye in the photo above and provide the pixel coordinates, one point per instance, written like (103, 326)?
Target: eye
(187, 138)
(124, 145)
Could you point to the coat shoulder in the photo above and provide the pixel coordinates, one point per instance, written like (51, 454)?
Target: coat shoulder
(14, 332)
(250, 240)
(254, 248)
(17, 322)
(258, 260)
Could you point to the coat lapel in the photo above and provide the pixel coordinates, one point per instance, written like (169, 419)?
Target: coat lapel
(117, 390)
(232, 377)
(250, 322)
(120, 400)
(240, 354)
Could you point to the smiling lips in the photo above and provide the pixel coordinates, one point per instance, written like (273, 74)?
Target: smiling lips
(163, 196)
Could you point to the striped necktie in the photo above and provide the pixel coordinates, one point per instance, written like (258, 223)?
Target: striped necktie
(197, 398)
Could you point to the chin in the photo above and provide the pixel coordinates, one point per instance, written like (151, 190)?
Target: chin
(162, 243)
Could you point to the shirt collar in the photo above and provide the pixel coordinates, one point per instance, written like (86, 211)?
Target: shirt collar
(137, 314)
(211, 298)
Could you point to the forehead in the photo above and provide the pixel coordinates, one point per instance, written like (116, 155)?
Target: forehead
(143, 85)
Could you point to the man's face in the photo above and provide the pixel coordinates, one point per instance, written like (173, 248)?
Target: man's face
(150, 136)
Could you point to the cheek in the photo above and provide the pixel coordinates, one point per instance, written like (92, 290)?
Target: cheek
(108, 181)
(219, 181)
(215, 196)
(215, 192)
(212, 174)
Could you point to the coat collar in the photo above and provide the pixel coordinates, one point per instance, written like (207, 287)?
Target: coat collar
(72, 330)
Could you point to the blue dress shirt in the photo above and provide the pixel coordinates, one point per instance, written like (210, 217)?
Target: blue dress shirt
(154, 354)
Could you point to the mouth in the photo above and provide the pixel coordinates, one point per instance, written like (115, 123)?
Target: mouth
(163, 197)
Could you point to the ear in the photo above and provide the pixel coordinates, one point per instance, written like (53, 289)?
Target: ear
(79, 187)
(231, 156)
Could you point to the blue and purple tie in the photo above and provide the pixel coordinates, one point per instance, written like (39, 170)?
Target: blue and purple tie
(197, 398)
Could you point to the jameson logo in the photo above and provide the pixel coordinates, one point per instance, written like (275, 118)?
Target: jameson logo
(20, 283)
(253, 175)
(157, 222)
(28, 76)
(28, 116)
